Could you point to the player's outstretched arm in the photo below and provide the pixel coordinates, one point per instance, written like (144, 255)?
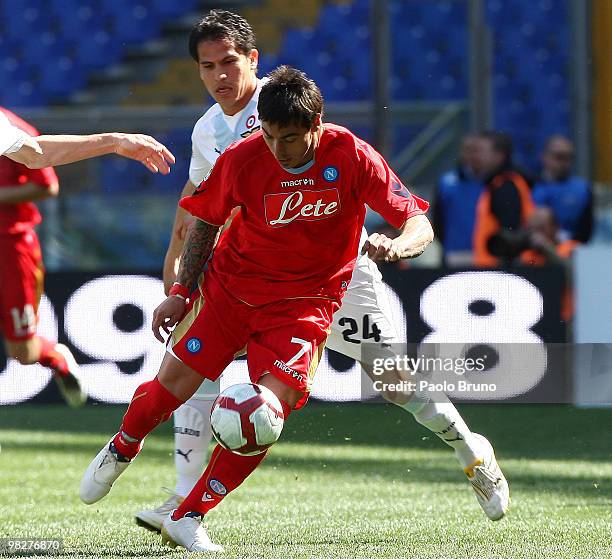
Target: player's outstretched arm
(182, 221)
(415, 235)
(64, 149)
(199, 244)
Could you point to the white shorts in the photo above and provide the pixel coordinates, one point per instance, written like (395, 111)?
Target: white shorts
(365, 318)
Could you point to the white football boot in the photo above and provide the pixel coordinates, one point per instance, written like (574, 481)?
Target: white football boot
(101, 473)
(488, 482)
(188, 532)
(152, 519)
(71, 386)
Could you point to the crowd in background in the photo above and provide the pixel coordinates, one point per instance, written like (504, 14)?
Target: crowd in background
(488, 212)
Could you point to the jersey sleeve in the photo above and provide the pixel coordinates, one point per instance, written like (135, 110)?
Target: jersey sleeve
(199, 166)
(384, 192)
(44, 178)
(11, 137)
(214, 200)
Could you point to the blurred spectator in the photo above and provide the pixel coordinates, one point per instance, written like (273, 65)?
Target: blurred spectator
(569, 197)
(505, 203)
(545, 243)
(547, 248)
(455, 200)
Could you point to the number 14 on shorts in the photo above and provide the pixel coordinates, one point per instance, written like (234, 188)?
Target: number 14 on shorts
(24, 321)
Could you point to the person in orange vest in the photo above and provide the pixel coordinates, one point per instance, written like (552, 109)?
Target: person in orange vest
(548, 249)
(545, 245)
(505, 204)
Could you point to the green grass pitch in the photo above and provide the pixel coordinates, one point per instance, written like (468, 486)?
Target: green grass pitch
(350, 481)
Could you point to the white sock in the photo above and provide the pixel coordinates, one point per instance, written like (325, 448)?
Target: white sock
(192, 436)
(442, 418)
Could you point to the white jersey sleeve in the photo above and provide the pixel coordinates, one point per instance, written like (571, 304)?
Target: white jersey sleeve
(215, 130)
(11, 138)
(200, 165)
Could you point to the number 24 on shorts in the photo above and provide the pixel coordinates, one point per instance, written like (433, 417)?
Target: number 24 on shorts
(370, 332)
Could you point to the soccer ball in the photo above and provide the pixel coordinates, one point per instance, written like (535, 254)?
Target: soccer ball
(247, 418)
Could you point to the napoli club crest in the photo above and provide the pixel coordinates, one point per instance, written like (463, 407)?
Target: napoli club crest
(193, 345)
(330, 174)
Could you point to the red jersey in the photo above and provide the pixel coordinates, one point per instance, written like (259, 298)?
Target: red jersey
(296, 235)
(17, 218)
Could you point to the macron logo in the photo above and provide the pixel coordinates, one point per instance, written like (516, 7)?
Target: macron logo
(298, 182)
(286, 369)
(301, 205)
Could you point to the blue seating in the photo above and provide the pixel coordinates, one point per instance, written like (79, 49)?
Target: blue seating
(120, 175)
(20, 22)
(531, 86)
(429, 52)
(73, 38)
(24, 93)
(168, 9)
(134, 23)
(61, 78)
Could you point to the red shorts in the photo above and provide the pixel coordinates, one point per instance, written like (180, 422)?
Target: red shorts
(21, 284)
(285, 338)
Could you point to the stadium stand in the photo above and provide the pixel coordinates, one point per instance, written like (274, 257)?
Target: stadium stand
(81, 42)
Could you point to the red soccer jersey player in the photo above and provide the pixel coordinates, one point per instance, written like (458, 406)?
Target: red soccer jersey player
(22, 271)
(274, 281)
(272, 253)
(268, 253)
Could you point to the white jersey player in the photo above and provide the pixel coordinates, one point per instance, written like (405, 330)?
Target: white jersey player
(223, 45)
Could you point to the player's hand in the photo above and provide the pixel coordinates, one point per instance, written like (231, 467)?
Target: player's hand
(381, 248)
(183, 222)
(167, 315)
(154, 156)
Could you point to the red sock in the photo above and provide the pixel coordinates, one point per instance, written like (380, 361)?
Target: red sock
(51, 358)
(225, 471)
(151, 405)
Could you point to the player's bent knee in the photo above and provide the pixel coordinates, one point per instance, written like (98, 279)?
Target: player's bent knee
(179, 379)
(283, 391)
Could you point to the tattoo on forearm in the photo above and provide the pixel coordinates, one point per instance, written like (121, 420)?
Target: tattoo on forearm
(199, 244)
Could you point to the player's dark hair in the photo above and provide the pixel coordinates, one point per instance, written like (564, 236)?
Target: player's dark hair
(289, 97)
(502, 143)
(220, 25)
